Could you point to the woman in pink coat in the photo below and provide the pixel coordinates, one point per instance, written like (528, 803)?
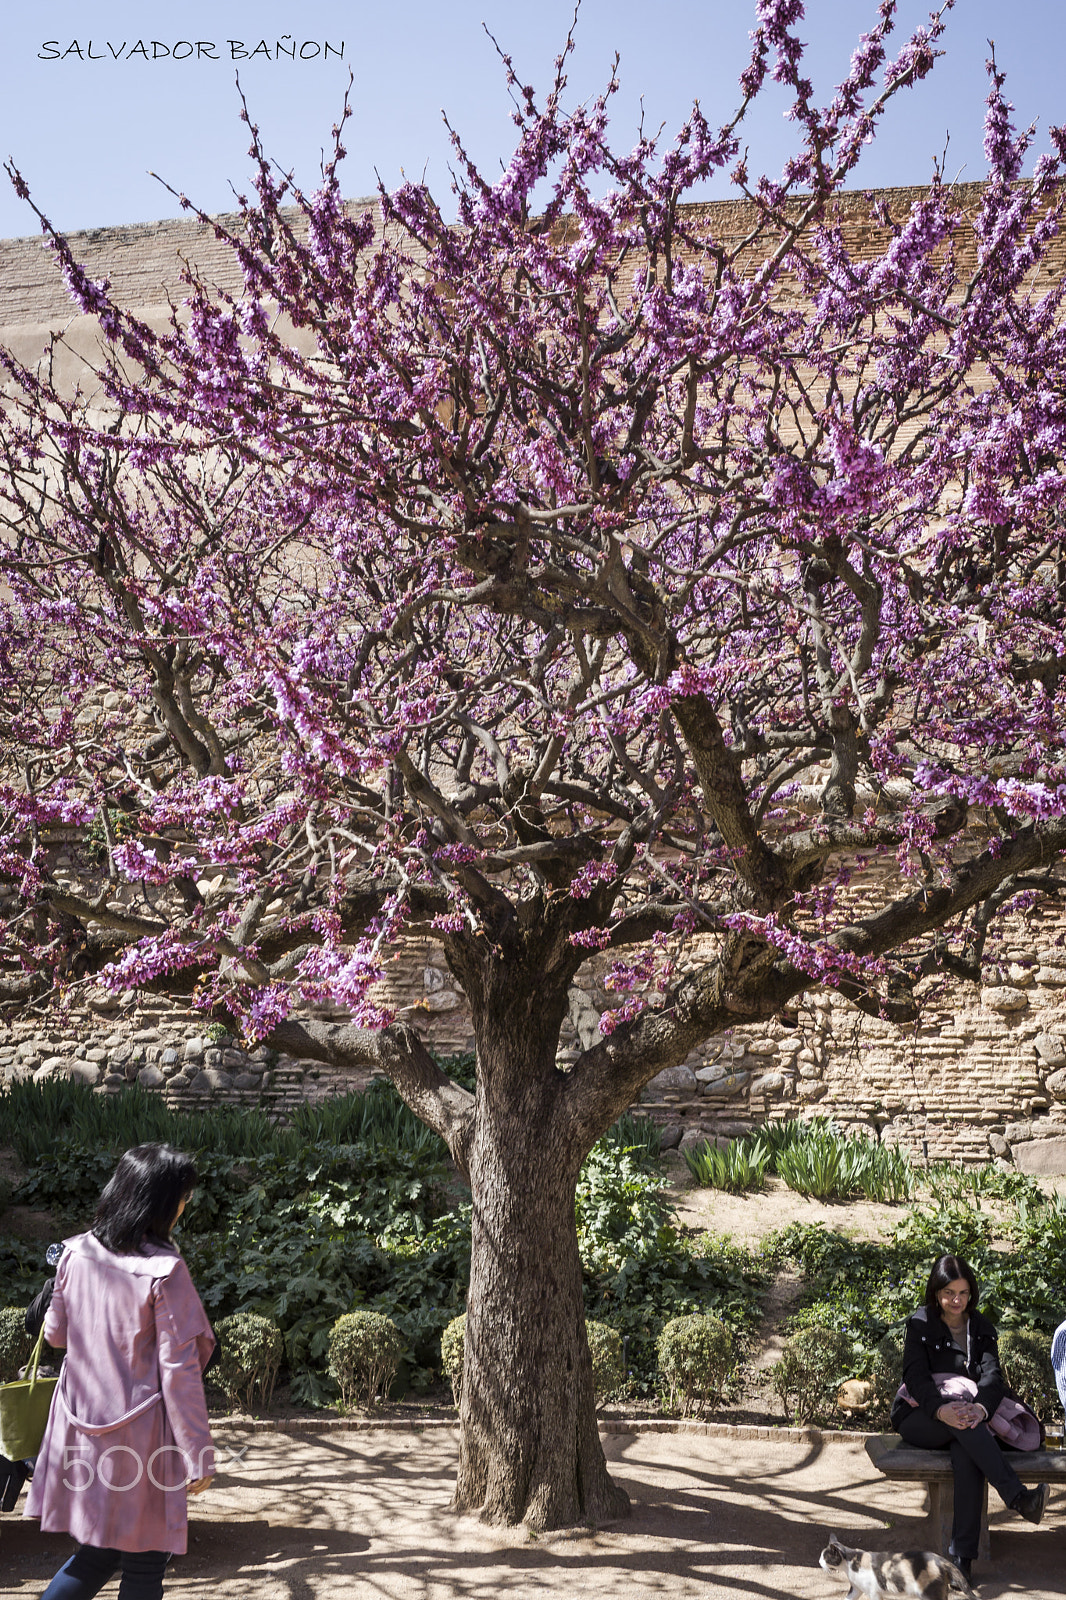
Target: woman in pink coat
(127, 1437)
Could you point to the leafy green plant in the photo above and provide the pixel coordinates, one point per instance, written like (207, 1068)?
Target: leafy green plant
(365, 1351)
(830, 1165)
(812, 1156)
(452, 1352)
(621, 1202)
(671, 1277)
(377, 1116)
(987, 1180)
(951, 1227)
(15, 1342)
(1025, 1357)
(424, 1279)
(22, 1269)
(250, 1351)
(1031, 1290)
(60, 1118)
(887, 1174)
(737, 1166)
(781, 1134)
(815, 1362)
(694, 1354)
(638, 1271)
(815, 1168)
(638, 1133)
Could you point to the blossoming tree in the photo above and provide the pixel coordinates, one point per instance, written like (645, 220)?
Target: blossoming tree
(569, 580)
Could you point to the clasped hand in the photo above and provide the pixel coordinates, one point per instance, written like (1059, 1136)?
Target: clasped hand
(961, 1414)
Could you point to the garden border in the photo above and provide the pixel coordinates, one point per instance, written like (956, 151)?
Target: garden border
(610, 1426)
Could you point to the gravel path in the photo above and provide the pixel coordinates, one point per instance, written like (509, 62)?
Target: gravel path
(363, 1516)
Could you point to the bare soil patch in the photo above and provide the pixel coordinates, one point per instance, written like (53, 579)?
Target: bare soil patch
(748, 1219)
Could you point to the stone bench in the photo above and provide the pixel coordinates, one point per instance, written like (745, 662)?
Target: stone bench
(901, 1462)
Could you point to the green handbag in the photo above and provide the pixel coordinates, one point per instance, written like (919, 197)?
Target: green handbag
(24, 1406)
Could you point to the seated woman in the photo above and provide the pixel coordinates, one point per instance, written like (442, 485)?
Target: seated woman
(949, 1338)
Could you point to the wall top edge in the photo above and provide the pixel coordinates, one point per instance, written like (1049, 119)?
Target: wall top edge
(191, 223)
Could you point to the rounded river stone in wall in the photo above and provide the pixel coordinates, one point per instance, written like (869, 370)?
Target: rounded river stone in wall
(691, 1138)
(54, 1066)
(214, 1078)
(1005, 998)
(673, 1080)
(710, 1074)
(1051, 1050)
(730, 1084)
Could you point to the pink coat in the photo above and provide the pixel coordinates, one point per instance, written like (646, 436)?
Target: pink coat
(128, 1426)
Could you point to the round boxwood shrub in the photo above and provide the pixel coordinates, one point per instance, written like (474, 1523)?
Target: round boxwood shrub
(1025, 1356)
(250, 1349)
(694, 1357)
(886, 1370)
(452, 1346)
(16, 1345)
(365, 1350)
(605, 1348)
(816, 1361)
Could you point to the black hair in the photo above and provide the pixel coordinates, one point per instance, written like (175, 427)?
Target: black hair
(142, 1198)
(946, 1269)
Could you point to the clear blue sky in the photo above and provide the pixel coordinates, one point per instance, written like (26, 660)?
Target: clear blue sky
(86, 132)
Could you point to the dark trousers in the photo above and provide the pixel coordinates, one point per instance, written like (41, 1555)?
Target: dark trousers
(89, 1568)
(975, 1456)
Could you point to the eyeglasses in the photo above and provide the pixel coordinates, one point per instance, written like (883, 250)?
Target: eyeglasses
(954, 1294)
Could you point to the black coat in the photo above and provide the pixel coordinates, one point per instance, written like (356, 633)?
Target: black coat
(930, 1348)
(35, 1311)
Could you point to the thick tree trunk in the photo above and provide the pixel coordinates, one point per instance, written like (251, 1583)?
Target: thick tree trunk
(530, 1448)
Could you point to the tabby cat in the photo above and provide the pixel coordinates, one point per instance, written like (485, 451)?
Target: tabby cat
(877, 1574)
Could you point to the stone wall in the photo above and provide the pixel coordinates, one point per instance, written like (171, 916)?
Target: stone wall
(144, 261)
(115, 1040)
(162, 1048)
(983, 1075)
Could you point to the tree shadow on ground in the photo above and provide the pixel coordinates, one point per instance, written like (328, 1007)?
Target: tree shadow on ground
(367, 1518)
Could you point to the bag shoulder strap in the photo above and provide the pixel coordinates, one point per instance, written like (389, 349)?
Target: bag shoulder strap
(35, 1359)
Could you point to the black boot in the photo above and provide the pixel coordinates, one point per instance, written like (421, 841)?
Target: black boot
(1031, 1502)
(962, 1562)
